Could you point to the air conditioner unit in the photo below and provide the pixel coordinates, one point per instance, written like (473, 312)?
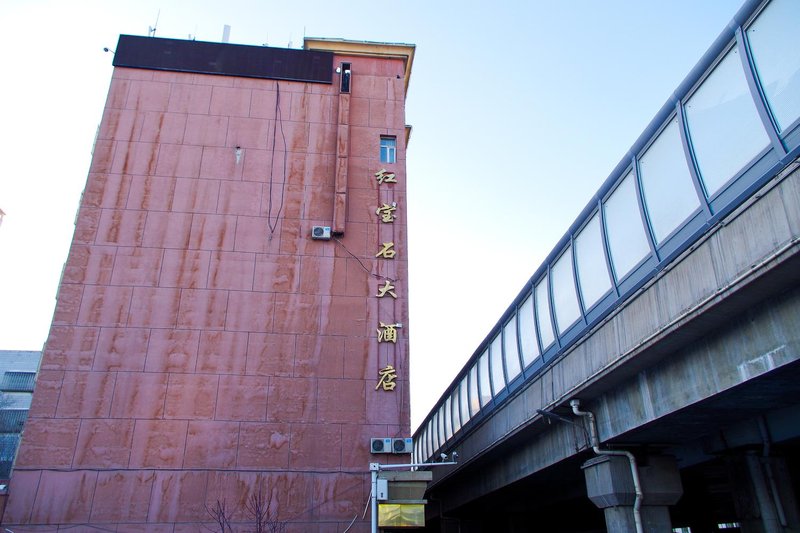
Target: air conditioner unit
(380, 445)
(402, 445)
(321, 233)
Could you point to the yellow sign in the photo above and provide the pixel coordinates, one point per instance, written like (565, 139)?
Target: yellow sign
(401, 515)
(387, 288)
(387, 252)
(386, 212)
(387, 376)
(387, 333)
(384, 176)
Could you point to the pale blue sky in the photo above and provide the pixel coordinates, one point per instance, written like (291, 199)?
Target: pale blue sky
(520, 111)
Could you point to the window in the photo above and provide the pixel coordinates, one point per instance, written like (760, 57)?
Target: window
(484, 379)
(496, 364)
(388, 149)
(454, 402)
(667, 187)
(542, 296)
(626, 237)
(527, 332)
(447, 416)
(724, 125)
(463, 401)
(437, 439)
(474, 397)
(12, 420)
(429, 439)
(18, 381)
(772, 38)
(442, 436)
(510, 348)
(591, 260)
(565, 299)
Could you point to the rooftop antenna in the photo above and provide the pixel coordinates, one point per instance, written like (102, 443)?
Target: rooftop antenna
(151, 30)
(290, 41)
(226, 33)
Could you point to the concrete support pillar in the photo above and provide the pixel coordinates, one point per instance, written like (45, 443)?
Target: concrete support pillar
(609, 484)
(765, 499)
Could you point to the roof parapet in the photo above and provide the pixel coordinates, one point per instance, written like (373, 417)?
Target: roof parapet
(366, 48)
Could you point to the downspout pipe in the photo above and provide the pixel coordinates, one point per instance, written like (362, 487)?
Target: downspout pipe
(595, 441)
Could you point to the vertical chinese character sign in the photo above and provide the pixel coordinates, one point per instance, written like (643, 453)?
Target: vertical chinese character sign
(387, 331)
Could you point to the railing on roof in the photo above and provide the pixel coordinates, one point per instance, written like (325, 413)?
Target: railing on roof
(733, 124)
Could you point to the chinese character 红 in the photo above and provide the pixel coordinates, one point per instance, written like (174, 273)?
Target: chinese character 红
(384, 176)
(387, 333)
(387, 376)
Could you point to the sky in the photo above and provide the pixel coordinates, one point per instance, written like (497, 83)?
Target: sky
(520, 110)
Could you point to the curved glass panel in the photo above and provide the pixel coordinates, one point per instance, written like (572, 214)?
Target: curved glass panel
(437, 441)
(627, 239)
(590, 259)
(474, 397)
(442, 432)
(455, 400)
(429, 438)
(463, 400)
(448, 419)
(510, 349)
(724, 125)
(483, 377)
(542, 294)
(565, 299)
(496, 357)
(773, 47)
(667, 187)
(527, 332)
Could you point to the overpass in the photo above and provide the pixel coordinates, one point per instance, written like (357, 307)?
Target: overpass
(670, 310)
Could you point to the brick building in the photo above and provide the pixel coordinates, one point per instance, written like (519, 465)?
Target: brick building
(210, 343)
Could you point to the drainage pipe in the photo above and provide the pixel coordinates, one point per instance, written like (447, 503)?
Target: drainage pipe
(637, 486)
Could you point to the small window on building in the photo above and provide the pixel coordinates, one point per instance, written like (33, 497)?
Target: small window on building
(388, 149)
(18, 381)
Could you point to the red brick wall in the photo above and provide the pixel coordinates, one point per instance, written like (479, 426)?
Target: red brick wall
(196, 355)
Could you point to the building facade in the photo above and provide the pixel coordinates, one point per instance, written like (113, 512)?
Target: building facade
(231, 326)
(18, 369)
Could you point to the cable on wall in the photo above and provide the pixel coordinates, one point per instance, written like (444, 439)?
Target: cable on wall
(278, 120)
(368, 271)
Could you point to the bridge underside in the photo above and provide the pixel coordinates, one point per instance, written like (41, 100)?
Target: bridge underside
(711, 440)
(716, 391)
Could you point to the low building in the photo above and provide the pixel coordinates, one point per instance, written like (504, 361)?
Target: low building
(18, 370)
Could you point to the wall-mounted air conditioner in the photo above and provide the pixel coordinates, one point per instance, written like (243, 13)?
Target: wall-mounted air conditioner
(321, 233)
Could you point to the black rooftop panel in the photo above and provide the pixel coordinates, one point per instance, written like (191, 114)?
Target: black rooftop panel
(224, 59)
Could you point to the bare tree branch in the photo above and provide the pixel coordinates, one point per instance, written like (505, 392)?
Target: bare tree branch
(220, 515)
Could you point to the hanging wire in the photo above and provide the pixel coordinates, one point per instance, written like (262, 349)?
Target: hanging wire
(278, 121)
(368, 271)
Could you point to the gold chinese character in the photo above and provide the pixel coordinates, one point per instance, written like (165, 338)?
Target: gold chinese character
(387, 288)
(387, 251)
(387, 376)
(387, 333)
(384, 176)
(386, 212)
